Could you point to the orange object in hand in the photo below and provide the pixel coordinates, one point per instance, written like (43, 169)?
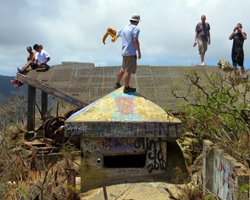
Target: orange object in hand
(112, 33)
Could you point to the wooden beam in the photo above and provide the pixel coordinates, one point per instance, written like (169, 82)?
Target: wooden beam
(50, 90)
(31, 108)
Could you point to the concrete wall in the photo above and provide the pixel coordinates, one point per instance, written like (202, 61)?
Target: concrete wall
(222, 175)
(163, 161)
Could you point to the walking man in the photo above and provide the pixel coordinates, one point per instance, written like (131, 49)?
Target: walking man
(202, 37)
(238, 37)
(130, 52)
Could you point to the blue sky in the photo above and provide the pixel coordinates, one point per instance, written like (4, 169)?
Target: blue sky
(72, 30)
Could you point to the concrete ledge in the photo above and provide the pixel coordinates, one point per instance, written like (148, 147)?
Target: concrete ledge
(223, 175)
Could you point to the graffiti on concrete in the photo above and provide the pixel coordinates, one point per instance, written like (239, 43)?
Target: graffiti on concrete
(224, 178)
(75, 129)
(122, 116)
(125, 117)
(115, 129)
(90, 146)
(154, 149)
(156, 152)
(102, 145)
(125, 108)
(118, 144)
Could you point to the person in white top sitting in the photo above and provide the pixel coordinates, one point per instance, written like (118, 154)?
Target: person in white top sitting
(41, 58)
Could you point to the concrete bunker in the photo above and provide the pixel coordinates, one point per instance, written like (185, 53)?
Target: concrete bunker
(125, 138)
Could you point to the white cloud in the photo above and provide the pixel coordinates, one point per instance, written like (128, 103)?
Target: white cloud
(73, 30)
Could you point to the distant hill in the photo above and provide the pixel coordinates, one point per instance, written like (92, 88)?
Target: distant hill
(7, 90)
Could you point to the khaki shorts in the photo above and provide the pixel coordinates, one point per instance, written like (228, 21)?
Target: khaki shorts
(202, 46)
(129, 64)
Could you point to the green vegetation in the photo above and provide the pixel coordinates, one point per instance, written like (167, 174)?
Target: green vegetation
(216, 107)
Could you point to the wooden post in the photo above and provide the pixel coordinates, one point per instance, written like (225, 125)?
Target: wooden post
(31, 108)
(44, 104)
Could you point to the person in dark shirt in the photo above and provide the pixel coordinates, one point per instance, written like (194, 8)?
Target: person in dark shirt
(238, 37)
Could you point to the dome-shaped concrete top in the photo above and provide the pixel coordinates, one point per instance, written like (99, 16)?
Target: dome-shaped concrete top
(120, 107)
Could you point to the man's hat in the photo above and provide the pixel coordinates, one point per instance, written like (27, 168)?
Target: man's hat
(135, 18)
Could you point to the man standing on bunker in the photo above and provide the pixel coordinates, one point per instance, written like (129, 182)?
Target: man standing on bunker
(130, 45)
(202, 37)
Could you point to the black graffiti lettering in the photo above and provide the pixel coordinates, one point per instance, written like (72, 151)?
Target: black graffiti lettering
(162, 130)
(139, 143)
(154, 152)
(160, 155)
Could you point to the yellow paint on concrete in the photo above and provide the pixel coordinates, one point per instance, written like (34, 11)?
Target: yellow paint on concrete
(121, 107)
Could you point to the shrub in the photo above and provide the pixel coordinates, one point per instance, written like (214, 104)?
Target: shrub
(216, 107)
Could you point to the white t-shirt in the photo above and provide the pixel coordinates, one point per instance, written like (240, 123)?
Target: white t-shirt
(42, 56)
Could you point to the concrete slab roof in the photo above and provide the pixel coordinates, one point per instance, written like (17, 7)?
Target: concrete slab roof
(83, 83)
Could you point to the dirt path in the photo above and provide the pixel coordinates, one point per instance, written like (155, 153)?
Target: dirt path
(135, 191)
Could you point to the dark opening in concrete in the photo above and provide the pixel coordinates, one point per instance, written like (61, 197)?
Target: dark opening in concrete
(125, 161)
